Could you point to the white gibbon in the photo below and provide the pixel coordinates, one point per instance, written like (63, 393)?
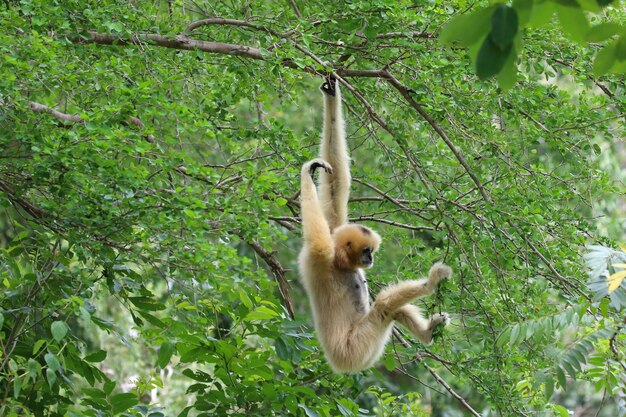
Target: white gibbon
(352, 333)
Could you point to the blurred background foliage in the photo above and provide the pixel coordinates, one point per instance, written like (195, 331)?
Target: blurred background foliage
(149, 221)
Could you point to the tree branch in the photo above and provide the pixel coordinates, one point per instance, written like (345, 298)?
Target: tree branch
(178, 42)
(404, 91)
(437, 377)
(278, 271)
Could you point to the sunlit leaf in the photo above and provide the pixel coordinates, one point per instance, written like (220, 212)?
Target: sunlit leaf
(615, 280)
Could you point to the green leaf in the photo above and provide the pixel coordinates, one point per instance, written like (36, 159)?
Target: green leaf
(97, 356)
(604, 60)
(245, 299)
(620, 48)
(261, 313)
(503, 338)
(491, 59)
(541, 14)
(561, 410)
(165, 354)
(602, 32)
(185, 411)
(590, 5)
(51, 376)
(549, 387)
(34, 368)
(283, 350)
(308, 411)
(504, 24)
(59, 330)
(508, 74)
(515, 331)
(524, 10)
(467, 29)
(146, 303)
(122, 402)
(52, 361)
(573, 22)
(37, 346)
(155, 321)
(560, 377)
(17, 387)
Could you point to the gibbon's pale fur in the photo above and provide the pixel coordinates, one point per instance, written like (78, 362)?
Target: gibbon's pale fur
(352, 333)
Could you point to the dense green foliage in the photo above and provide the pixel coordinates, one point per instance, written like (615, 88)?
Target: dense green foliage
(495, 36)
(149, 217)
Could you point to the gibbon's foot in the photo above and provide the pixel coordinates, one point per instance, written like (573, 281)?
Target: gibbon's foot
(439, 318)
(439, 272)
(319, 163)
(435, 326)
(328, 87)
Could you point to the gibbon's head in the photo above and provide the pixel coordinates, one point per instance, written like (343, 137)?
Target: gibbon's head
(355, 246)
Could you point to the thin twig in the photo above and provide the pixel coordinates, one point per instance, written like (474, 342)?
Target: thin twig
(295, 9)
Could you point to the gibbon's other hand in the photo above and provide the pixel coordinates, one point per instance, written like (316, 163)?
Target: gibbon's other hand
(319, 163)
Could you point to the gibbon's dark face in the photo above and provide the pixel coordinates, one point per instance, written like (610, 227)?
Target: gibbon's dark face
(355, 246)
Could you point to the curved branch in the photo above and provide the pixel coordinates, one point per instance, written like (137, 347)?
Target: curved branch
(178, 42)
(218, 21)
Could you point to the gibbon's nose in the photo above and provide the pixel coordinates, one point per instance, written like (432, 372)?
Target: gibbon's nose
(366, 258)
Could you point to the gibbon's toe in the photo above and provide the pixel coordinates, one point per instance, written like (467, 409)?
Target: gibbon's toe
(439, 272)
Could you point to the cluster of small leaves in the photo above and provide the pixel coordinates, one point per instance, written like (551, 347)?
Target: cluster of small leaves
(494, 35)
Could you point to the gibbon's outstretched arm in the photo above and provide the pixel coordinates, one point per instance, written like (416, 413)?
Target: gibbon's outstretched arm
(315, 230)
(335, 188)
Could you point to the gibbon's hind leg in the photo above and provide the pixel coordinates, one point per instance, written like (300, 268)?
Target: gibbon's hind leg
(411, 317)
(392, 298)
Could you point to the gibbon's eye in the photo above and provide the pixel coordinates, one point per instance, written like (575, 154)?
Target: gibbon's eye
(349, 244)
